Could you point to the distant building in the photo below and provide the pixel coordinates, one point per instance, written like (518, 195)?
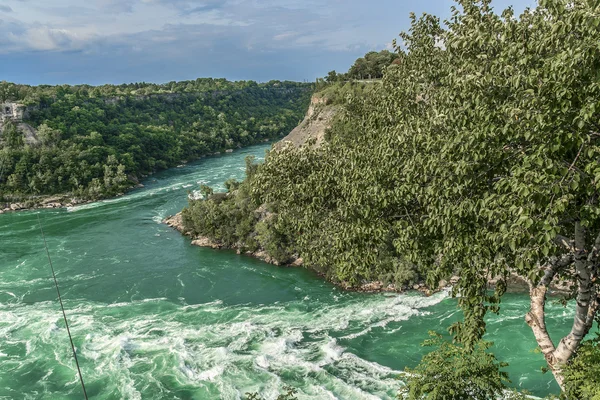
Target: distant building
(12, 111)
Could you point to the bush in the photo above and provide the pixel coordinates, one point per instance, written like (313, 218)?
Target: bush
(452, 372)
(582, 374)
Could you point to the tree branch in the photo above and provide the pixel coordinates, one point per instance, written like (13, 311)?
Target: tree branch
(564, 242)
(573, 163)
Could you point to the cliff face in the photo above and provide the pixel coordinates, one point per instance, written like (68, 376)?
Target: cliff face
(16, 112)
(318, 119)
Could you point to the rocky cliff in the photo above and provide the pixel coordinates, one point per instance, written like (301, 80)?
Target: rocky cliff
(318, 119)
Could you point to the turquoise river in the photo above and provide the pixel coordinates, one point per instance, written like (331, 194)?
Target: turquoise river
(156, 318)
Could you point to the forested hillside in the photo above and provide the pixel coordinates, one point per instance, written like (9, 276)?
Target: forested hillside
(93, 142)
(478, 156)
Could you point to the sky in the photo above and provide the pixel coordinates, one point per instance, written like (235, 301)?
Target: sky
(122, 41)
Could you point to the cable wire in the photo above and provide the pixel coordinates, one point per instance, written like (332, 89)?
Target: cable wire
(63, 309)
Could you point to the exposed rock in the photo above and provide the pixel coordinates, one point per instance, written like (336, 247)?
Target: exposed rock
(29, 132)
(205, 242)
(262, 255)
(49, 200)
(297, 263)
(175, 221)
(229, 151)
(318, 119)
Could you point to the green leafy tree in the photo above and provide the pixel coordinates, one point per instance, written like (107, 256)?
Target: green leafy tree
(332, 77)
(582, 374)
(372, 65)
(11, 134)
(47, 135)
(455, 372)
(477, 156)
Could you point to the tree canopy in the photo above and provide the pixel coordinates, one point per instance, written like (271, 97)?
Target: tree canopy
(478, 156)
(95, 142)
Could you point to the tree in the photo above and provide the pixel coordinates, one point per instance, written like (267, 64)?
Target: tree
(79, 128)
(47, 135)
(477, 156)
(507, 176)
(488, 166)
(331, 77)
(454, 372)
(12, 135)
(372, 65)
(582, 374)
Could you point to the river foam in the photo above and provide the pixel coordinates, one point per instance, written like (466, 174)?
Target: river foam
(218, 348)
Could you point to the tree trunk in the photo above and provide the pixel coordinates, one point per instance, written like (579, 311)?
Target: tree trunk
(585, 310)
(536, 319)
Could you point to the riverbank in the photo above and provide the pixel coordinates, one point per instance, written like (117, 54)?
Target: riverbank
(515, 284)
(41, 202)
(68, 200)
(50, 201)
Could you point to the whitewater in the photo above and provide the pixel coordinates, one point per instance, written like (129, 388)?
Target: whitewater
(155, 318)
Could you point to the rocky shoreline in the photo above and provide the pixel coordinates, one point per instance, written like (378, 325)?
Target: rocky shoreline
(41, 203)
(515, 283)
(49, 202)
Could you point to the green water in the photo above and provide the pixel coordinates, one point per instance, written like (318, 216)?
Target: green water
(156, 318)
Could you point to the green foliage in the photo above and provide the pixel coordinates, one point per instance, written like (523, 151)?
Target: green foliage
(479, 149)
(372, 65)
(229, 219)
(11, 135)
(341, 92)
(231, 184)
(273, 235)
(582, 374)
(290, 394)
(206, 191)
(453, 372)
(140, 127)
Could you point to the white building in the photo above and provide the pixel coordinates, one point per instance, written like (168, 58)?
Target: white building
(12, 111)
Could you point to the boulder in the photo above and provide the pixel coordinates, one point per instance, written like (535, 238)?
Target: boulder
(298, 262)
(205, 242)
(175, 221)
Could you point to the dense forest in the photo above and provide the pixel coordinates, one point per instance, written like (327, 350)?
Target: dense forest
(93, 142)
(477, 156)
(32, 95)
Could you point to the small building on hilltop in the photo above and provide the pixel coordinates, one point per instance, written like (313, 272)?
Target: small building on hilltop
(12, 111)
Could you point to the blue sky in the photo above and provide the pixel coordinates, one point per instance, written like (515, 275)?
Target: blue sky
(117, 41)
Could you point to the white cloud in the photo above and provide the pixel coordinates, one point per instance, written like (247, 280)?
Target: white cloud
(20, 37)
(264, 24)
(285, 35)
(45, 38)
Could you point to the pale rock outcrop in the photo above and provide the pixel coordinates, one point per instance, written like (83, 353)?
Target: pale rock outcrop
(317, 121)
